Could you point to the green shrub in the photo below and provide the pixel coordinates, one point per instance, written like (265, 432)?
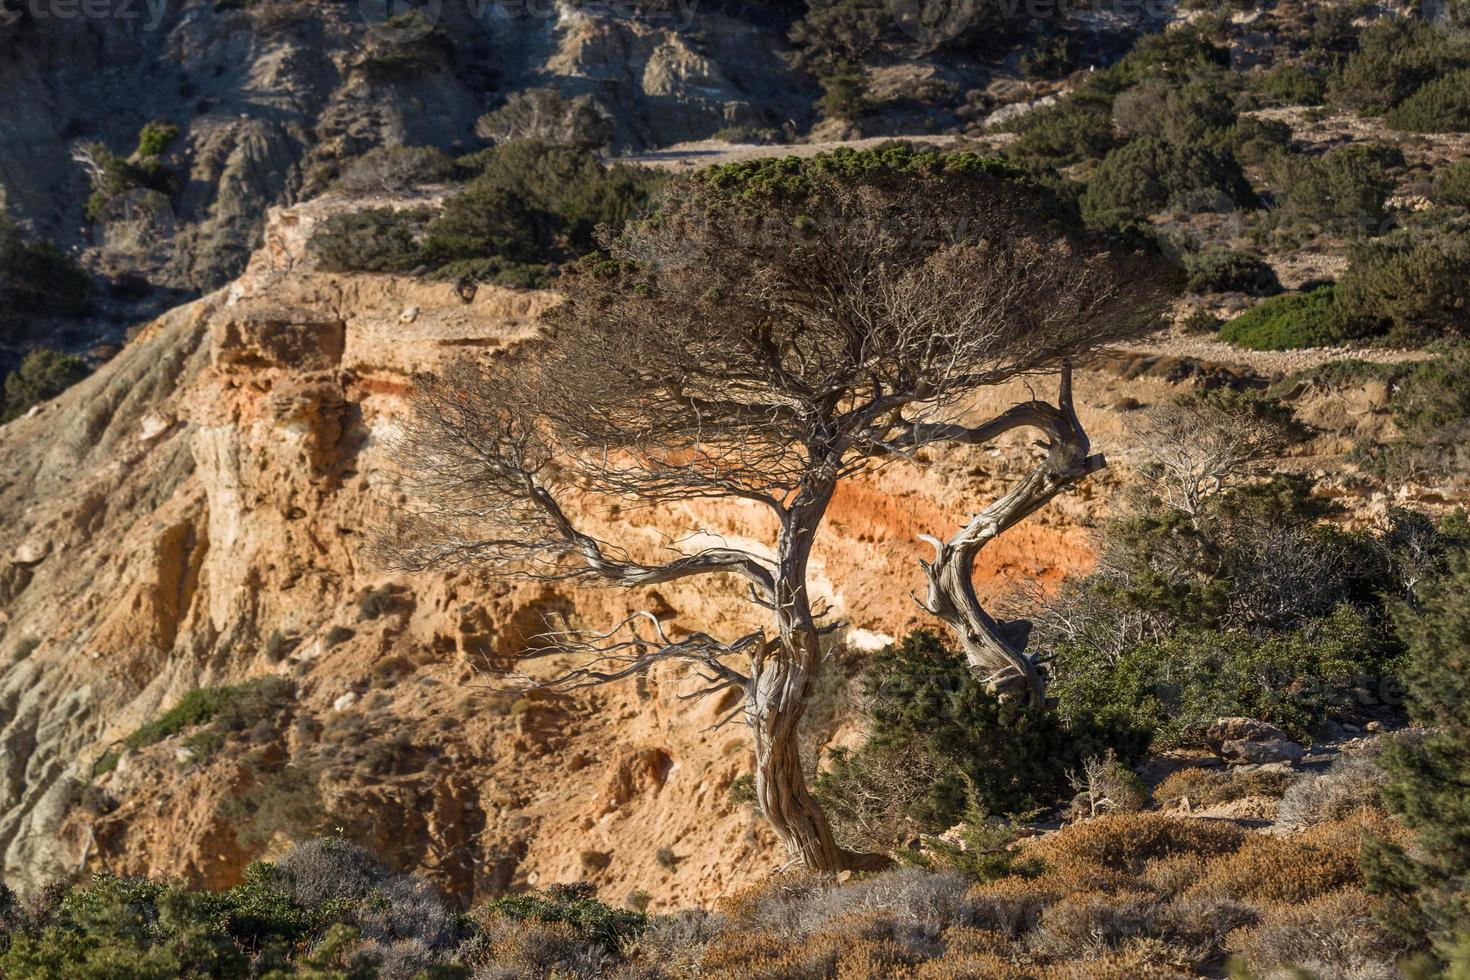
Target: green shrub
(1452, 187)
(346, 924)
(1288, 322)
(1200, 320)
(372, 240)
(1061, 135)
(1253, 140)
(1290, 83)
(1051, 57)
(1425, 889)
(1173, 689)
(114, 176)
(42, 375)
(227, 709)
(1345, 187)
(1395, 57)
(1431, 411)
(844, 92)
(1162, 108)
(37, 280)
(928, 712)
(1440, 106)
(1222, 270)
(1248, 605)
(155, 138)
(1412, 285)
(1142, 177)
(574, 906)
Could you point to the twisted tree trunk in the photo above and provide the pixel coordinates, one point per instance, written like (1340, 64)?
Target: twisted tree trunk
(994, 652)
(782, 676)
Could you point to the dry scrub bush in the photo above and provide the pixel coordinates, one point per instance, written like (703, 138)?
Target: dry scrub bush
(1295, 868)
(1333, 935)
(1127, 842)
(1351, 784)
(1106, 785)
(1211, 787)
(521, 949)
(1141, 960)
(1091, 924)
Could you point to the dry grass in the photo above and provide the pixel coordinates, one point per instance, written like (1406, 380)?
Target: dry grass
(1144, 895)
(1197, 787)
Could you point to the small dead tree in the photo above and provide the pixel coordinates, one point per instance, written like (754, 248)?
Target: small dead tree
(546, 115)
(772, 330)
(1200, 445)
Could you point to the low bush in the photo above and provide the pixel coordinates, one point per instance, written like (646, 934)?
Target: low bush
(1172, 690)
(1196, 786)
(1223, 270)
(1196, 111)
(227, 709)
(574, 906)
(1145, 175)
(951, 745)
(1129, 842)
(155, 138)
(844, 92)
(1052, 56)
(357, 919)
(1452, 186)
(372, 240)
(1345, 188)
(1351, 784)
(1290, 83)
(544, 115)
(113, 176)
(1241, 600)
(532, 205)
(1396, 56)
(42, 375)
(1061, 135)
(1412, 285)
(1255, 141)
(1289, 322)
(1440, 106)
(393, 169)
(1430, 402)
(1331, 935)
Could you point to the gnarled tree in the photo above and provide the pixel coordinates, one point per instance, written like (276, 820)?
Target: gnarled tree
(772, 329)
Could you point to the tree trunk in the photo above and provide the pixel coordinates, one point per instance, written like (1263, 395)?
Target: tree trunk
(992, 651)
(781, 681)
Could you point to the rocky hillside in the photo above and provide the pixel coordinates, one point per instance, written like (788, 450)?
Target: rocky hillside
(193, 516)
(268, 94)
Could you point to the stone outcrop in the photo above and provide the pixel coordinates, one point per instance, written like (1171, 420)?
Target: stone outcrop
(1247, 741)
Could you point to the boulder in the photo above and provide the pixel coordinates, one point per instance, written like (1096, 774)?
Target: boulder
(1253, 742)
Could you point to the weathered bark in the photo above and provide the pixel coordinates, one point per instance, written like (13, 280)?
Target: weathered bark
(781, 681)
(992, 651)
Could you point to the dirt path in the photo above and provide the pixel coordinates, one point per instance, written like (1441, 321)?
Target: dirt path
(705, 153)
(1270, 363)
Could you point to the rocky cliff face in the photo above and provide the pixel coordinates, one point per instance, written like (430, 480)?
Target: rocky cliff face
(194, 514)
(268, 92)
